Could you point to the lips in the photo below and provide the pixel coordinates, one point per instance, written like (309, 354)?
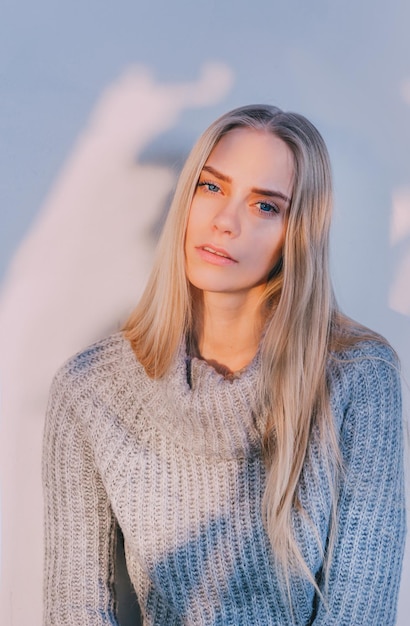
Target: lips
(215, 256)
(219, 252)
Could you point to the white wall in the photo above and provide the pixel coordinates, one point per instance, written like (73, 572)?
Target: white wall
(99, 105)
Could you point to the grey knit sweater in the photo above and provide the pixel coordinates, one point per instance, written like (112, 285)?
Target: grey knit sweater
(177, 464)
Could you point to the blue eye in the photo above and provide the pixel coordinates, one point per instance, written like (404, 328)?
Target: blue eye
(209, 186)
(266, 207)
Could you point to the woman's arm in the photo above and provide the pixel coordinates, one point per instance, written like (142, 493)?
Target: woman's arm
(80, 528)
(364, 574)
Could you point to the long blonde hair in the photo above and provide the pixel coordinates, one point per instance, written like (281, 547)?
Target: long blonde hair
(302, 329)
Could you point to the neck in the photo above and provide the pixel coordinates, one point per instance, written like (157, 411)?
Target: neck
(229, 330)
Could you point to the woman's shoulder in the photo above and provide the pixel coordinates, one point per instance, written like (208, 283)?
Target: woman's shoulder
(364, 377)
(103, 362)
(98, 384)
(354, 346)
(373, 354)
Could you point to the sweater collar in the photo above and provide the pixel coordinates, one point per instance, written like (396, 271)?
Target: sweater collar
(201, 411)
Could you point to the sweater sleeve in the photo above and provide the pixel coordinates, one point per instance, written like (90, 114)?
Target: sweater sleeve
(80, 528)
(365, 568)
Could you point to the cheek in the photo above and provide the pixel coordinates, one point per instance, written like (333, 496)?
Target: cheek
(192, 236)
(195, 224)
(270, 250)
(189, 229)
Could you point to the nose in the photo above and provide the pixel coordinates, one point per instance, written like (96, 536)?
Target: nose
(227, 218)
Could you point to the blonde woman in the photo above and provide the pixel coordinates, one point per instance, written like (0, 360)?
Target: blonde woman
(244, 435)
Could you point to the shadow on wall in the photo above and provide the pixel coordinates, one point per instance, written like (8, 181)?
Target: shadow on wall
(399, 293)
(399, 297)
(75, 277)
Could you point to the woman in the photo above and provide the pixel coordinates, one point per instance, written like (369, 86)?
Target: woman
(242, 432)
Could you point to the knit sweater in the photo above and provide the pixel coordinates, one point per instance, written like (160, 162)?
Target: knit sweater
(177, 463)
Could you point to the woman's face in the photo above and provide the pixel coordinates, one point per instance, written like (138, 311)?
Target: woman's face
(238, 215)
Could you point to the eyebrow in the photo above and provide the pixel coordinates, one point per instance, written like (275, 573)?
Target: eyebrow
(270, 193)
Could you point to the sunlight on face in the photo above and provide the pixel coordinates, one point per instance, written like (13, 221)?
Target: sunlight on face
(237, 220)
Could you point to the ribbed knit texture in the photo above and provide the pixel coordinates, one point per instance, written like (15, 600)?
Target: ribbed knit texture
(177, 464)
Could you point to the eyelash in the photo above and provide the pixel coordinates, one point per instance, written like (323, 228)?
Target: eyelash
(208, 184)
(273, 208)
